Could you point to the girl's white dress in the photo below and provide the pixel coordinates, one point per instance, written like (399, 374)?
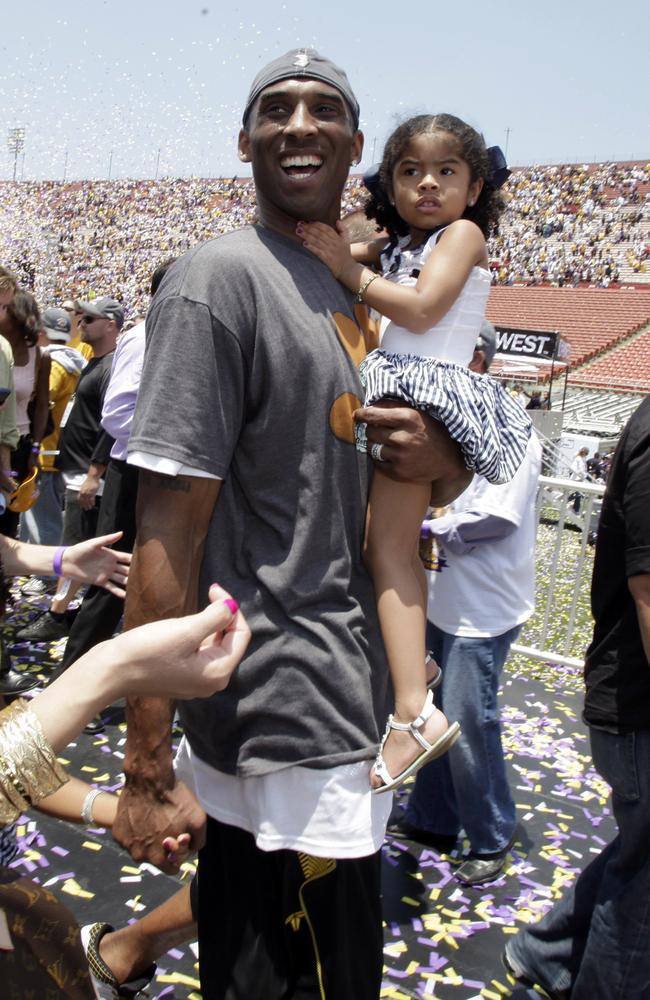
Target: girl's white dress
(428, 371)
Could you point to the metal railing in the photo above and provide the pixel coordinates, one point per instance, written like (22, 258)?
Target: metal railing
(558, 632)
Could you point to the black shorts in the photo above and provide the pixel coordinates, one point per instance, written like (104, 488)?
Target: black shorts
(280, 925)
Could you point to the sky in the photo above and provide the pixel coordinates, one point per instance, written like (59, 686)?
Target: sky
(137, 88)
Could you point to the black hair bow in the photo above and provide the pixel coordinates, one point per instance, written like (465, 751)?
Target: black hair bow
(499, 172)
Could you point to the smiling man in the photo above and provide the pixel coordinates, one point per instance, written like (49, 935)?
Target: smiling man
(249, 475)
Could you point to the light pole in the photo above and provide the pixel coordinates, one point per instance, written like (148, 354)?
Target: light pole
(508, 131)
(16, 144)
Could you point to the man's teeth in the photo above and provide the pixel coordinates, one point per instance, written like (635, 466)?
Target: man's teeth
(300, 161)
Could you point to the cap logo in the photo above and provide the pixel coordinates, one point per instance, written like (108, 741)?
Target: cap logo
(301, 60)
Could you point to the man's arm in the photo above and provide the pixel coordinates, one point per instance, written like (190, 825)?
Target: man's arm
(639, 587)
(173, 514)
(418, 449)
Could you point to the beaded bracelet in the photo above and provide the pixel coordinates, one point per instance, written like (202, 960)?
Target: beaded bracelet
(58, 559)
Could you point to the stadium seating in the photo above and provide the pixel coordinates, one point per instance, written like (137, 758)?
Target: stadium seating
(591, 320)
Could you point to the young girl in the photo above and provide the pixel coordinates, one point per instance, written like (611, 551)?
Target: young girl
(437, 201)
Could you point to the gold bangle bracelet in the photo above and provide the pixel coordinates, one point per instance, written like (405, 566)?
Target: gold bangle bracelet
(359, 297)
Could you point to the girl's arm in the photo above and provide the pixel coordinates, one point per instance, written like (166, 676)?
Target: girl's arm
(416, 308)
(88, 562)
(69, 800)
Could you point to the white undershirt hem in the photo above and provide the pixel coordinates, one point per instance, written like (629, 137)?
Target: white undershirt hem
(328, 813)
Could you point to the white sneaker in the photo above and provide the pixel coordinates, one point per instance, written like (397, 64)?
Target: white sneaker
(34, 587)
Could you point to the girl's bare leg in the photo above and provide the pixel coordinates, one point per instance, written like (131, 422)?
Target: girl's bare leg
(128, 952)
(395, 513)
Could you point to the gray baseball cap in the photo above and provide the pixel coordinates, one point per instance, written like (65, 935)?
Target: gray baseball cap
(104, 309)
(57, 325)
(487, 341)
(303, 64)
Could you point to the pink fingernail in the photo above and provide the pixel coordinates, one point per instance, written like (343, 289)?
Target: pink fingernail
(232, 605)
(168, 843)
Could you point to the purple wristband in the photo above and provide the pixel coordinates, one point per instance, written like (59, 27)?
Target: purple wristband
(56, 561)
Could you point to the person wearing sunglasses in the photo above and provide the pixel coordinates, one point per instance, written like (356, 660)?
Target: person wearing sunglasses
(83, 455)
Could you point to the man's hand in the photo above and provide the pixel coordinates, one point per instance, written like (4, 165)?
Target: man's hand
(8, 484)
(88, 491)
(146, 817)
(417, 449)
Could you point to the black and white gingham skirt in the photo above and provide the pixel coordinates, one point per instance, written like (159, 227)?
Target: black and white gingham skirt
(491, 428)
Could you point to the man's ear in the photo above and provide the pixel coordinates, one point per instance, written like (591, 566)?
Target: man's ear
(244, 146)
(477, 364)
(357, 147)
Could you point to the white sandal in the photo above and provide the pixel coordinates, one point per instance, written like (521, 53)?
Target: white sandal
(429, 750)
(436, 680)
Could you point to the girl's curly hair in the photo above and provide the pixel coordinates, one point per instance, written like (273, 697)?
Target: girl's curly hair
(485, 213)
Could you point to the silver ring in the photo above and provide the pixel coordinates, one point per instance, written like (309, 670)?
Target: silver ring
(375, 452)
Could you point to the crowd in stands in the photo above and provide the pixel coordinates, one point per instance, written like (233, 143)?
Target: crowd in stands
(565, 225)
(575, 225)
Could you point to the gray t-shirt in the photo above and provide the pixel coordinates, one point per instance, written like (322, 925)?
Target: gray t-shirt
(250, 374)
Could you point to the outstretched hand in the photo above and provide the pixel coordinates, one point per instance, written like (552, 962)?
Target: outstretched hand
(332, 246)
(94, 562)
(190, 657)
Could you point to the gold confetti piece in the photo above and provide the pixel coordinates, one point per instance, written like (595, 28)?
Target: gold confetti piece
(503, 990)
(88, 768)
(179, 979)
(412, 966)
(490, 995)
(90, 845)
(130, 870)
(396, 949)
(411, 902)
(72, 887)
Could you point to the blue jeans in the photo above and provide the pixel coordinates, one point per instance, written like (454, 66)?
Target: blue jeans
(468, 787)
(43, 524)
(594, 942)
